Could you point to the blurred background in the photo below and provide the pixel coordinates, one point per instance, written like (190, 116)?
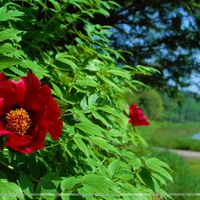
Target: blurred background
(164, 35)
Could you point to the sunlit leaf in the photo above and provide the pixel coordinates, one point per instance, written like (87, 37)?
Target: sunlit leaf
(6, 62)
(99, 184)
(81, 145)
(26, 185)
(8, 34)
(10, 15)
(68, 183)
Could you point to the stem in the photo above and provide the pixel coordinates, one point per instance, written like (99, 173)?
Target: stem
(55, 15)
(72, 82)
(33, 179)
(67, 114)
(9, 166)
(52, 146)
(73, 188)
(12, 168)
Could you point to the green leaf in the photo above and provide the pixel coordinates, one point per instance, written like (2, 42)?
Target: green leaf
(8, 34)
(159, 190)
(57, 90)
(68, 183)
(94, 65)
(56, 4)
(100, 117)
(109, 82)
(17, 71)
(3, 175)
(34, 165)
(131, 85)
(26, 185)
(113, 167)
(109, 110)
(120, 73)
(47, 185)
(158, 166)
(103, 144)
(90, 128)
(159, 178)
(63, 57)
(138, 82)
(6, 62)
(97, 183)
(92, 99)
(84, 192)
(86, 82)
(147, 70)
(9, 190)
(9, 15)
(72, 99)
(127, 188)
(80, 89)
(81, 145)
(125, 173)
(46, 58)
(83, 103)
(7, 48)
(137, 163)
(65, 79)
(145, 175)
(36, 68)
(156, 161)
(65, 195)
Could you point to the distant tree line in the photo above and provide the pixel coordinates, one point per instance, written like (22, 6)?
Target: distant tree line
(162, 107)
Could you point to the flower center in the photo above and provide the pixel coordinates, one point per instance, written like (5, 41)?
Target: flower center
(18, 121)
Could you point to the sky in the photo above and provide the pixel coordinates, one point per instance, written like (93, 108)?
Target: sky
(195, 78)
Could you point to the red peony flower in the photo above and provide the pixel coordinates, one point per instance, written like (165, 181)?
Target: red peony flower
(27, 112)
(136, 116)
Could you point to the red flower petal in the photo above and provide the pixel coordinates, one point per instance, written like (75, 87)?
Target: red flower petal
(136, 116)
(2, 77)
(2, 111)
(54, 124)
(27, 144)
(32, 85)
(20, 89)
(37, 101)
(2, 130)
(8, 93)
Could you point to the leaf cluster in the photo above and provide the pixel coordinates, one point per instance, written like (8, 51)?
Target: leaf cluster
(94, 157)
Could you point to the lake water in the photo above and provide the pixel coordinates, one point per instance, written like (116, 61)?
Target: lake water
(196, 136)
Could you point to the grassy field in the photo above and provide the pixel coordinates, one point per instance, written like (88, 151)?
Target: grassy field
(171, 135)
(194, 166)
(186, 176)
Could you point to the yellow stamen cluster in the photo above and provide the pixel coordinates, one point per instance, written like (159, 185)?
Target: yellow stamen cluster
(18, 121)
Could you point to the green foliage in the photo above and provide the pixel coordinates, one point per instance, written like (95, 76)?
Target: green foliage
(93, 155)
(185, 110)
(149, 100)
(185, 179)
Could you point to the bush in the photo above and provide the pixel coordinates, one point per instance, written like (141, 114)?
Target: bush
(56, 41)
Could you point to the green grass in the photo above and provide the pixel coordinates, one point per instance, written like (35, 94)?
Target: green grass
(194, 166)
(186, 176)
(171, 135)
